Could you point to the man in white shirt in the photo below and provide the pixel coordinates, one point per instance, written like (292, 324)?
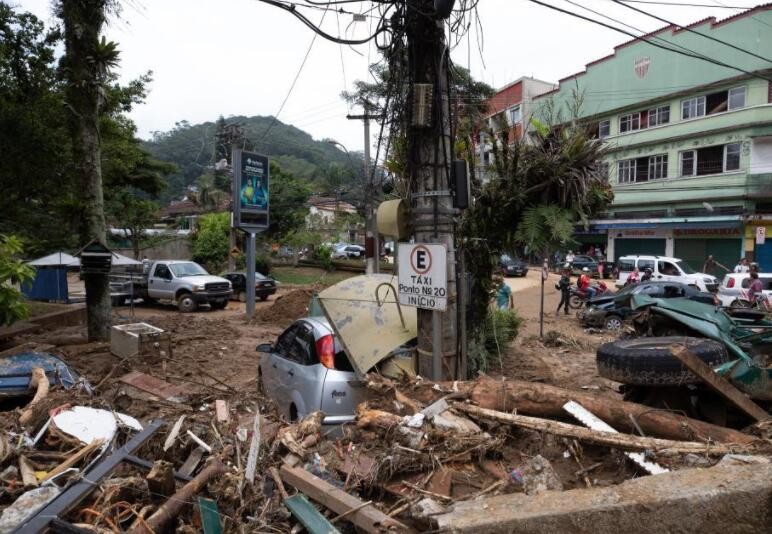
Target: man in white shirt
(742, 266)
(570, 257)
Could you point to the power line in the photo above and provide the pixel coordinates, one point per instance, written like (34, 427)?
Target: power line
(644, 39)
(721, 4)
(685, 4)
(295, 81)
(686, 28)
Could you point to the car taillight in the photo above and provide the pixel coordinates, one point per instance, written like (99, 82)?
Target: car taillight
(325, 349)
(730, 283)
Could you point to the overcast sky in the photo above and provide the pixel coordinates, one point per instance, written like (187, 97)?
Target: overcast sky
(239, 57)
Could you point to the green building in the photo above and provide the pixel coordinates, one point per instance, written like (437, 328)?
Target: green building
(690, 141)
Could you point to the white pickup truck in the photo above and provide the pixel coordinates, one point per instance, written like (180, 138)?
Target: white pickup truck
(183, 283)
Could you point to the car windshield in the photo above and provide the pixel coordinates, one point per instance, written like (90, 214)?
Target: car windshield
(182, 270)
(685, 267)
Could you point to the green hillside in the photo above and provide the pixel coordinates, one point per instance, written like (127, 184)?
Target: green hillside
(191, 148)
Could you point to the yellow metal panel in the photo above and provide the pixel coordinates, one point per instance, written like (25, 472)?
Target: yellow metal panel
(368, 329)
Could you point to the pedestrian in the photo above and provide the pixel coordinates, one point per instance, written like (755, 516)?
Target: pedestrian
(558, 258)
(646, 275)
(570, 257)
(711, 263)
(504, 298)
(564, 286)
(742, 266)
(755, 290)
(633, 277)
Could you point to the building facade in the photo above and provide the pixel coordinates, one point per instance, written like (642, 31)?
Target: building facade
(690, 142)
(510, 108)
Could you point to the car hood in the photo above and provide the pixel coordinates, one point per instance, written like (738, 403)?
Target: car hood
(369, 332)
(203, 279)
(600, 301)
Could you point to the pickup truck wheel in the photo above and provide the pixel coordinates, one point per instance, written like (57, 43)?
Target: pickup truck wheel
(647, 361)
(263, 298)
(186, 304)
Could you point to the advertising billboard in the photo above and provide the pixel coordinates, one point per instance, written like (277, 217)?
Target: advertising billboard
(250, 190)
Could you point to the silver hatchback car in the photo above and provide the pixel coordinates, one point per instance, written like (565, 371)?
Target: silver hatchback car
(307, 370)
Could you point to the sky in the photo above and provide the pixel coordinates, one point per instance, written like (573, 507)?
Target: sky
(239, 57)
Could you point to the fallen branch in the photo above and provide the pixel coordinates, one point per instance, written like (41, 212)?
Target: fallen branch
(74, 459)
(172, 507)
(39, 380)
(618, 441)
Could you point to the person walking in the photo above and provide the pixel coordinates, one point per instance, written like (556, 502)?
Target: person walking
(504, 298)
(564, 286)
(711, 263)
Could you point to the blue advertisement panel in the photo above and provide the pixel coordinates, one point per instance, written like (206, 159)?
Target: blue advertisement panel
(250, 190)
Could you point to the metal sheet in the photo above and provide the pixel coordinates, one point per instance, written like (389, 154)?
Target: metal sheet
(369, 330)
(155, 386)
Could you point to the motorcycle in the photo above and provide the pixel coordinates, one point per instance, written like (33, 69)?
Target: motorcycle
(579, 298)
(744, 302)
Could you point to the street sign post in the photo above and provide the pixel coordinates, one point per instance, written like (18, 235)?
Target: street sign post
(761, 235)
(250, 207)
(423, 276)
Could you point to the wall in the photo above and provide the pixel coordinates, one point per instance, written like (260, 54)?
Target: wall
(177, 248)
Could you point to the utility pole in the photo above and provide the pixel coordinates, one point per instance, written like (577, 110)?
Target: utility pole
(372, 246)
(428, 171)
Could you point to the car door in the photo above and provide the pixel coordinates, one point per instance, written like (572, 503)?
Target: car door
(305, 375)
(667, 271)
(160, 283)
(274, 369)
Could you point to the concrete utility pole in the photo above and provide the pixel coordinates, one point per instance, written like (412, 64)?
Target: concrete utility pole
(428, 172)
(372, 246)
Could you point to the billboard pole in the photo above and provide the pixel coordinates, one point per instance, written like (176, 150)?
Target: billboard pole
(250, 275)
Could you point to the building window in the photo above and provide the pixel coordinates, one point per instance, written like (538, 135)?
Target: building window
(732, 157)
(694, 107)
(626, 171)
(711, 160)
(736, 98)
(604, 129)
(629, 123)
(515, 116)
(660, 115)
(657, 167)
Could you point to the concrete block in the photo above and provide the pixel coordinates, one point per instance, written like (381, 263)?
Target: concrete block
(726, 498)
(138, 339)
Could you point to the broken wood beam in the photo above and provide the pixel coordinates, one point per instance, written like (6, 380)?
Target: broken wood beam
(39, 381)
(543, 400)
(172, 507)
(718, 382)
(160, 480)
(74, 459)
(28, 477)
(369, 518)
(626, 442)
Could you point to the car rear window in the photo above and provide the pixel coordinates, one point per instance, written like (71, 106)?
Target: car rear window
(765, 280)
(626, 266)
(645, 264)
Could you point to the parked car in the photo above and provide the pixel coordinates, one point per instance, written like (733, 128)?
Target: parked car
(581, 261)
(344, 251)
(734, 287)
(664, 269)
(264, 285)
(512, 266)
(610, 311)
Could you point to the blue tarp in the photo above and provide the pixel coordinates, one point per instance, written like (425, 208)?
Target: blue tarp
(50, 283)
(16, 371)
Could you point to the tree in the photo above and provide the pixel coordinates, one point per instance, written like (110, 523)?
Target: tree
(210, 242)
(128, 211)
(12, 271)
(288, 204)
(85, 65)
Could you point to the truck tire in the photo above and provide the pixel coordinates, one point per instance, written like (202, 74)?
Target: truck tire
(186, 304)
(646, 361)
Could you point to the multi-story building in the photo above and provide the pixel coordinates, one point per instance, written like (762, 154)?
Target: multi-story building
(690, 141)
(509, 108)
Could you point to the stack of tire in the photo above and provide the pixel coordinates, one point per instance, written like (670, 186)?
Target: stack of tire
(646, 361)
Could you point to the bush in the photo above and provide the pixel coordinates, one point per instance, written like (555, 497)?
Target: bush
(499, 328)
(323, 253)
(263, 264)
(12, 271)
(210, 242)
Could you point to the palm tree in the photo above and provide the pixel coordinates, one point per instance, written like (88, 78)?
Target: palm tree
(85, 67)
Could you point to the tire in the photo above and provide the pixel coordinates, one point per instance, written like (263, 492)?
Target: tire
(116, 301)
(738, 303)
(646, 361)
(575, 302)
(186, 304)
(242, 296)
(263, 298)
(613, 323)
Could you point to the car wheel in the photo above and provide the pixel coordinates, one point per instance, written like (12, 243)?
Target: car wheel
(263, 298)
(647, 361)
(242, 296)
(613, 323)
(186, 304)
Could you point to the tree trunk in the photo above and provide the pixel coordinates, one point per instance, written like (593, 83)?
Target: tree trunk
(83, 20)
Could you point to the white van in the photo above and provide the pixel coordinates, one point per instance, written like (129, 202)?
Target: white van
(734, 288)
(664, 268)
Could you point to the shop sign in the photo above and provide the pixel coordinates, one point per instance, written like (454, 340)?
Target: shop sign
(761, 235)
(706, 232)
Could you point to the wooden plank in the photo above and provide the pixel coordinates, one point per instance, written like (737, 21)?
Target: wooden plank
(74, 459)
(369, 518)
(309, 516)
(210, 516)
(608, 439)
(221, 411)
(718, 382)
(175, 431)
(254, 450)
(192, 462)
(155, 386)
